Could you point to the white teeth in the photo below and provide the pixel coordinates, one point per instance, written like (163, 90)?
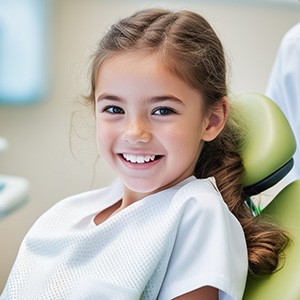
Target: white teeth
(140, 159)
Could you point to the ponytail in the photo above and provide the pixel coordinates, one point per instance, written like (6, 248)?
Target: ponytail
(265, 240)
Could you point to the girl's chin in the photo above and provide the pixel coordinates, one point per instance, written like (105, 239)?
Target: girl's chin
(140, 188)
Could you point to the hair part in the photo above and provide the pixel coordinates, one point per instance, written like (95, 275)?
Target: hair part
(187, 45)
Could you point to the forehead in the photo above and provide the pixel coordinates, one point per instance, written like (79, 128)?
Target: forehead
(141, 75)
(139, 67)
(164, 60)
(129, 61)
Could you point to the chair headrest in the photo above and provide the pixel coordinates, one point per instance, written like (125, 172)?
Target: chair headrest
(268, 145)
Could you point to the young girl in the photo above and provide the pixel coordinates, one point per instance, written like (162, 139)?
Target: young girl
(174, 226)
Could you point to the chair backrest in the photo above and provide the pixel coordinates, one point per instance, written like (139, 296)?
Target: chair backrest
(267, 153)
(269, 144)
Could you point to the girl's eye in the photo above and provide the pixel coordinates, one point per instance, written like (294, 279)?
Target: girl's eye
(113, 110)
(164, 111)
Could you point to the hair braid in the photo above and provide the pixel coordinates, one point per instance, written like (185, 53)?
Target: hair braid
(265, 240)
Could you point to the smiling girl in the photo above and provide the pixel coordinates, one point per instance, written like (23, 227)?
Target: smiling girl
(174, 225)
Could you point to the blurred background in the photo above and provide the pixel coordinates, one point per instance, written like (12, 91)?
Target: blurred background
(49, 134)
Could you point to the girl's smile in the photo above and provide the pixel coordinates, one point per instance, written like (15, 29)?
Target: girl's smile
(140, 161)
(150, 124)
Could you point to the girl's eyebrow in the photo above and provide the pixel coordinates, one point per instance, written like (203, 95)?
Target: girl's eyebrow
(156, 99)
(166, 98)
(107, 96)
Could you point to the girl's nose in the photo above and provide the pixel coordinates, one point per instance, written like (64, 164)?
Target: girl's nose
(136, 131)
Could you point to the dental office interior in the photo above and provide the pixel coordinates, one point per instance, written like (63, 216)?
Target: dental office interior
(47, 143)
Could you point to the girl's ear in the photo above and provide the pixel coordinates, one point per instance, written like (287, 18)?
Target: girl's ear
(216, 120)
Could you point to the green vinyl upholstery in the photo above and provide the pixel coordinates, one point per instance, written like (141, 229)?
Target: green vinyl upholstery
(269, 142)
(285, 283)
(267, 149)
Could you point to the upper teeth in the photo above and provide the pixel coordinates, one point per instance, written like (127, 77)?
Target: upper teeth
(140, 159)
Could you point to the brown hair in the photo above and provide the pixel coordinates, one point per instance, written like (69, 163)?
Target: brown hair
(188, 46)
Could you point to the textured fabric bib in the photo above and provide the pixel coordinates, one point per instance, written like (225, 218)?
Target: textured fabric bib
(160, 247)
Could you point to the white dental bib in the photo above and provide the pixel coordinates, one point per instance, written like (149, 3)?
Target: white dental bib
(160, 247)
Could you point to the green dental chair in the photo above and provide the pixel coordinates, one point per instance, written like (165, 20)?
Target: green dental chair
(268, 156)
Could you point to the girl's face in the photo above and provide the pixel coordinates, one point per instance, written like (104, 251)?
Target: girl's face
(150, 124)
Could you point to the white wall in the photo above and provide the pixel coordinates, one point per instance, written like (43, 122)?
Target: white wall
(39, 133)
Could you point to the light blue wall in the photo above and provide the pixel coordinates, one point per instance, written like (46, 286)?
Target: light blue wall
(23, 52)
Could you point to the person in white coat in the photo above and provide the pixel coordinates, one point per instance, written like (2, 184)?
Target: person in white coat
(284, 87)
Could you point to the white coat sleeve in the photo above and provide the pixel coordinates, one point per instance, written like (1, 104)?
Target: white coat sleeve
(284, 86)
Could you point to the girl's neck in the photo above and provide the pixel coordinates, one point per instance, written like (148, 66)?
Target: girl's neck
(108, 212)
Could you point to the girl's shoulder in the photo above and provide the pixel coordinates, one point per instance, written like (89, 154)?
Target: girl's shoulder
(202, 193)
(74, 209)
(92, 197)
(208, 236)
